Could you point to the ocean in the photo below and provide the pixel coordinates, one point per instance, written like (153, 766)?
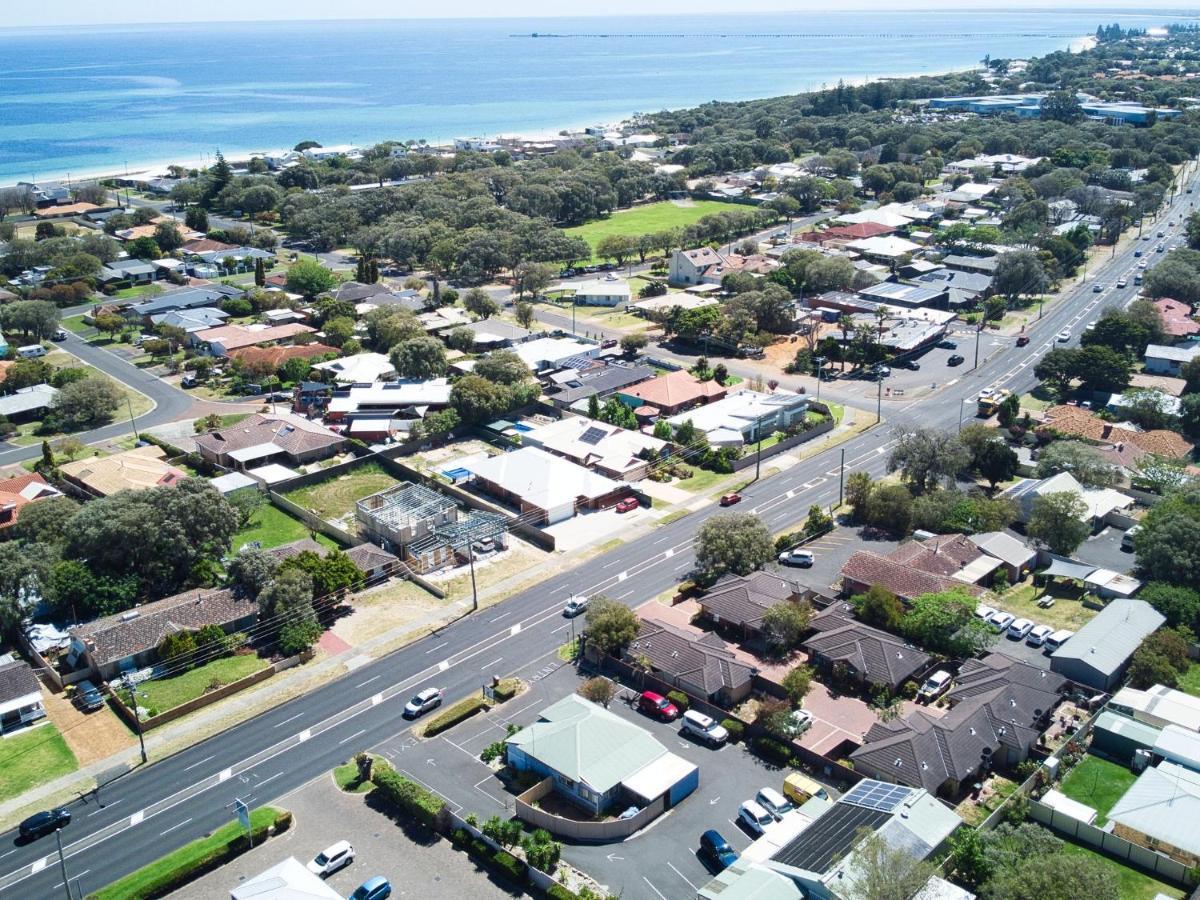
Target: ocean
(112, 99)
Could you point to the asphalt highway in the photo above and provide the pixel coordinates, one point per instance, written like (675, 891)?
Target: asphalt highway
(175, 800)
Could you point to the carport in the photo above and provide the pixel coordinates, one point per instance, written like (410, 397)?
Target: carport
(670, 776)
(1061, 567)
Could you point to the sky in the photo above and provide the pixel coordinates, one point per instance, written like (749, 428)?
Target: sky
(90, 12)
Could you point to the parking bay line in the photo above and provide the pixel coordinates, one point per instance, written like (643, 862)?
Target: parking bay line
(653, 888)
(684, 877)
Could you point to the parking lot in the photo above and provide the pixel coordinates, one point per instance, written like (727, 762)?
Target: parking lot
(831, 551)
(1104, 550)
(1020, 650)
(658, 862)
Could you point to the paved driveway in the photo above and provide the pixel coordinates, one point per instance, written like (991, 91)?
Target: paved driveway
(1020, 650)
(830, 553)
(1104, 550)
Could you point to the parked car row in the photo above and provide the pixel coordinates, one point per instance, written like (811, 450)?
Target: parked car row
(335, 858)
(693, 722)
(767, 807)
(1020, 628)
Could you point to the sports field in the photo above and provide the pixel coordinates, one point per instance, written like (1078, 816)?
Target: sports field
(650, 218)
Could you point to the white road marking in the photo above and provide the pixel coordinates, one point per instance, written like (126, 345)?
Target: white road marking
(304, 735)
(438, 647)
(516, 629)
(137, 817)
(653, 888)
(176, 825)
(284, 722)
(38, 865)
(368, 681)
(376, 699)
(201, 762)
(443, 665)
(486, 666)
(684, 877)
(346, 740)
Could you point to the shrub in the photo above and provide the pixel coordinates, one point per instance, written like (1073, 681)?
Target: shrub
(908, 690)
(558, 892)
(507, 864)
(541, 850)
(407, 796)
(507, 689)
(492, 751)
(772, 751)
(680, 699)
(735, 728)
(459, 712)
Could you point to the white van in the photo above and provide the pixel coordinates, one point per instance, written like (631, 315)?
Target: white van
(1056, 640)
(1128, 537)
(31, 351)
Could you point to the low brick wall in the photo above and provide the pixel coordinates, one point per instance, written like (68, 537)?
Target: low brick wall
(584, 832)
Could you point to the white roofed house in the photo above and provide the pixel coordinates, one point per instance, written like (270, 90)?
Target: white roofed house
(611, 450)
(544, 487)
(1167, 360)
(603, 292)
(376, 411)
(1099, 502)
(1099, 651)
(737, 419)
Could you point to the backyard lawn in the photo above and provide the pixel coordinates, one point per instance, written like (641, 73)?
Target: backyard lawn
(335, 498)
(1099, 784)
(167, 693)
(1133, 885)
(35, 757)
(649, 218)
(1068, 610)
(271, 526)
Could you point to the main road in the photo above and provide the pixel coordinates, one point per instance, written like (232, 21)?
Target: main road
(177, 799)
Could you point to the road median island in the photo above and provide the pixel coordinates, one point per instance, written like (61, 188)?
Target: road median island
(459, 712)
(175, 869)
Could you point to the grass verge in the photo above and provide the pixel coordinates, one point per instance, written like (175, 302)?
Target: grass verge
(346, 778)
(35, 757)
(167, 693)
(192, 860)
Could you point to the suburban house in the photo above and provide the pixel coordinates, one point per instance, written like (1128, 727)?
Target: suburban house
(961, 288)
(47, 193)
(599, 760)
(865, 569)
(884, 249)
(544, 488)
(574, 386)
(553, 353)
(670, 394)
(839, 235)
(221, 341)
(611, 450)
(1176, 317)
(745, 417)
(820, 860)
(20, 491)
(1015, 557)
(1099, 503)
(698, 664)
(129, 640)
(184, 298)
(20, 696)
(362, 368)
(28, 402)
(999, 708)
(269, 359)
(1158, 706)
(1099, 651)
(910, 296)
(494, 334)
(191, 320)
(137, 469)
(865, 654)
(602, 292)
(407, 399)
(1160, 811)
(1073, 421)
(374, 562)
(693, 266)
(741, 601)
(1162, 359)
(263, 438)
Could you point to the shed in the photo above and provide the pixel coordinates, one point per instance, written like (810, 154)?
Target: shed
(1120, 737)
(669, 774)
(1178, 745)
(1059, 801)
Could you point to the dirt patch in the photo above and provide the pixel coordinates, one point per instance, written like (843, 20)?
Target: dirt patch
(380, 610)
(91, 736)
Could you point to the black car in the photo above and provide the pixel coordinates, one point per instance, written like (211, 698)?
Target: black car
(911, 364)
(45, 822)
(947, 345)
(955, 360)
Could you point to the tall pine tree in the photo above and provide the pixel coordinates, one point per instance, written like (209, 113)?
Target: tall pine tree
(260, 273)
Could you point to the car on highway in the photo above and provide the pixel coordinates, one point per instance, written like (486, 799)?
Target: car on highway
(730, 499)
(1160, 248)
(880, 371)
(1038, 634)
(754, 817)
(1137, 253)
(1000, 620)
(575, 606)
(796, 557)
(374, 888)
(1019, 628)
(331, 859)
(955, 360)
(1097, 289)
(657, 706)
(44, 822)
(627, 505)
(1142, 264)
(1122, 283)
(423, 702)
(1063, 336)
(911, 364)
(715, 850)
(1022, 340)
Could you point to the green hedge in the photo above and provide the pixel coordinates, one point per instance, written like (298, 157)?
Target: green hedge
(459, 712)
(507, 689)
(499, 861)
(680, 699)
(736, 729)
(772, 751)
(406, 795)
(189, 862)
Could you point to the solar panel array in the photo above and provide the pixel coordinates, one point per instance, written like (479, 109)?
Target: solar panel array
(829, 837)
(879, 795)
(593, 435)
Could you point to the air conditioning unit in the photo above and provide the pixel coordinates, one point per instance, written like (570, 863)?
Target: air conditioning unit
(1141, 759)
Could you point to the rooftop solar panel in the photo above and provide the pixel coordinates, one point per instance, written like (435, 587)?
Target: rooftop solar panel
(830, 837)
(879, 795)
(593, 435)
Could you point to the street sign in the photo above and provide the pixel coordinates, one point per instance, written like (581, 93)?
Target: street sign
(489, 692)
(243, 814)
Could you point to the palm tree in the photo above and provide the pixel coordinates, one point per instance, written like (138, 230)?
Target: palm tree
(845, 322)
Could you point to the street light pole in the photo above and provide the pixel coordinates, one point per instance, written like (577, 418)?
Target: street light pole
(978, 332)
(879, 403)
(841, 478)
(62, 862)
(137, 717)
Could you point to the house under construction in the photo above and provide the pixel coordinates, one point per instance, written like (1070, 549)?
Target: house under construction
(424, 528)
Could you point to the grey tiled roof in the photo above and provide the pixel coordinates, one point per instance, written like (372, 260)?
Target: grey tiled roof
(744, 600)
(700, 660)
(880, 657)
(369, 556)
(17, 680)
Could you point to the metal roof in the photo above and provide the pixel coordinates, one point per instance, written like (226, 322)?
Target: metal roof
(1108, 640)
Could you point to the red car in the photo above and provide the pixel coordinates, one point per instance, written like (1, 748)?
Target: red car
(730, 499)
(627, 505)
(658, 706)
(1022, 340)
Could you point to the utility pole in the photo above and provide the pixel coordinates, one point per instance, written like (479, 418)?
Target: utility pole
(137, 717)
(758, 459)
(842, 478)
(879, 403)
(471, 558)
(62, 862)
(978, 332)
(132, 420)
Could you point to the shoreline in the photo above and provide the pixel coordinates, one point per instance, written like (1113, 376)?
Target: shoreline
(159, 167)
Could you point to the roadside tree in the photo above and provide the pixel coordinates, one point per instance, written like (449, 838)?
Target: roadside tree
(737, 543)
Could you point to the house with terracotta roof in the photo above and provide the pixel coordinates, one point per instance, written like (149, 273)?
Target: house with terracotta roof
(129, 640)
(205, 245)
(222, 341)
(670, 394)
(864, 653)
(842, 234)
(999, 708)
(131, 470)
(865, 569)
(21, 491)
(1073, 421)
(1176, 317)
(262, 438)
(271, 358)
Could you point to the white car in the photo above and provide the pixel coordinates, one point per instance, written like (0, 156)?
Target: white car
(1038, 634)
(773, 802)
(575, 606)
(1000, 620)
(1019, 628)
(1142, 264)
(332, 858)
(1064, 335)
(428, 699)
(935, 685)
(985, 612)
(801, 558)
(802, 720)
(754, 817)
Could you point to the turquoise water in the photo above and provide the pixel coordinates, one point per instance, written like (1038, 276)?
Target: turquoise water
(102, 99)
